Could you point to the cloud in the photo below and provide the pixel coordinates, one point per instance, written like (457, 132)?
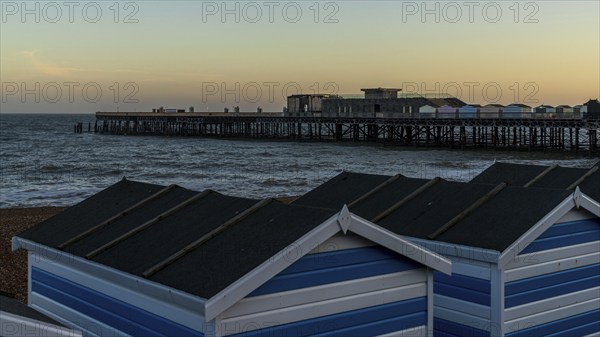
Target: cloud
(46, 67)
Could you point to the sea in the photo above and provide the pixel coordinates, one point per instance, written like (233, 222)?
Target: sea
(44, 163)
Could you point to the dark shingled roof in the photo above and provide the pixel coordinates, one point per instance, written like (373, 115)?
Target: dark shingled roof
(178, 230)
(89, 212)
(386, 197)
(591, 186)
(512, 174)
(553, 177)
(419, 208)
(142, 229)
(431, 209)
(11, 305)
(148, 211)
(560, 177)
(235, 252)
(499, 222)
(341, 190)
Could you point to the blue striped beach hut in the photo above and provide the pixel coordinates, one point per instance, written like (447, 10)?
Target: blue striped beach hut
(526, 259)
(469, 111)
(146, 260)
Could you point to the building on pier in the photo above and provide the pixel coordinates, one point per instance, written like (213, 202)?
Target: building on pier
(469, 111)
(384, 103)
(427, 111)
(516, 110)
(564, 109)
(491, 111)
(305, 105)
(592, 109)
(545, 109)
(447, 111)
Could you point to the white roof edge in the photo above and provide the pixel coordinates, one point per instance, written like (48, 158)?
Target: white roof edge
(16, 243)
(400, 245)
(142, 285)
(589, 204)
(575, 200)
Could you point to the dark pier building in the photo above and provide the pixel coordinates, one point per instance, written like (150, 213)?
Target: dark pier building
(306, 105)
(383, 103)
(593, 109)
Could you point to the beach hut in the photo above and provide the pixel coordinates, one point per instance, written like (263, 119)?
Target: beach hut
(469, 111)
(17, 319)
(564, 109)
(491, 111)
(577, 111)
(544, 111)
(147, 260)
(526, 260)
(447, 111)
(427, 111)
(516, 110)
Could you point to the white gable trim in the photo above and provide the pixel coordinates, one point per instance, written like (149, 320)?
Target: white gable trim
(589, 204)
(577, 199)
(400, 245)
(343, 221)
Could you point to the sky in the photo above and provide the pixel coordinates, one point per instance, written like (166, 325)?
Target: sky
(137, 55)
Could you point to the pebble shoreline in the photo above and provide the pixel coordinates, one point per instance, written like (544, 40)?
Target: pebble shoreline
(13, 265)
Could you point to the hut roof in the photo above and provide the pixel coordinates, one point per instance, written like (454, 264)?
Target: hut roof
(461, 213)
(133, 227)
(588, 179)
(199, 242)
(519, 105)
(329, 198)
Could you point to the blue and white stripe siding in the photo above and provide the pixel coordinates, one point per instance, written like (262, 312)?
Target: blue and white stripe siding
(462, 302)
(359, 290)
(553, 287)
(101, 308)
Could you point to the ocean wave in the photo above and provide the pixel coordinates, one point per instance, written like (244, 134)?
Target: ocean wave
(43, 163)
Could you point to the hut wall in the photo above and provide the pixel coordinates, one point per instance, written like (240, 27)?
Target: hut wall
(553, 285)
(490, 112)
(351, 289)
(447, 112)
(65, 291)
(468, 112)
(462, 302)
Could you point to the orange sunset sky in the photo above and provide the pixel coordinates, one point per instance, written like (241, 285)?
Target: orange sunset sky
(144, 54)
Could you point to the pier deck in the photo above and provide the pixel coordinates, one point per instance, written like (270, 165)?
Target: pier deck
(503, 134)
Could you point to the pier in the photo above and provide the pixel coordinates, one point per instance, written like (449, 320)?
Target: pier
(559, 135)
